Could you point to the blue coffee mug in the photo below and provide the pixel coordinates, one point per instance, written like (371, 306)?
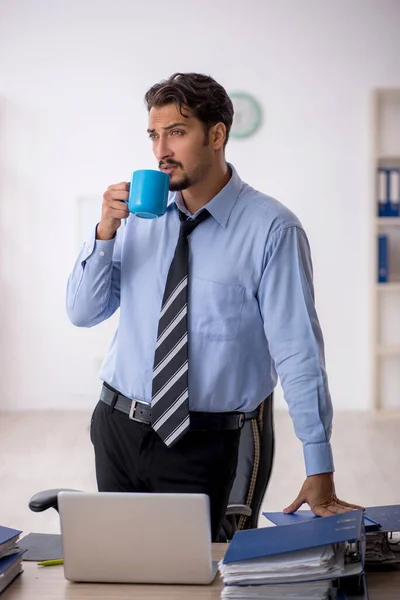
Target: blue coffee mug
(148, 194)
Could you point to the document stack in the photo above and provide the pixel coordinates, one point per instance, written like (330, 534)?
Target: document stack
(380, 523)
(382, 549)
(304, 561)
(272, 578)
(10, 556)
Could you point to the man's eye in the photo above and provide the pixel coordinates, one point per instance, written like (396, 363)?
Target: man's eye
(152, 136)
(176, 132)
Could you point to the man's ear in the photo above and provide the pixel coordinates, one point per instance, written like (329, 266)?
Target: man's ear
(218, 135)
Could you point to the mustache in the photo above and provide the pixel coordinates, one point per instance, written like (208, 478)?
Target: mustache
(165, 163)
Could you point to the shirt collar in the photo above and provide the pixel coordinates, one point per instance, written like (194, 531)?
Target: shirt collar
(220, 207)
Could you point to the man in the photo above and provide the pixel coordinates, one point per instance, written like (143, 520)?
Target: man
(198, 355)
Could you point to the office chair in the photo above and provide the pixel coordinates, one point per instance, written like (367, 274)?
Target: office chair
(256, 453)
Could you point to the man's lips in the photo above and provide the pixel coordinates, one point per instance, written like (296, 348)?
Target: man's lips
(169, 169)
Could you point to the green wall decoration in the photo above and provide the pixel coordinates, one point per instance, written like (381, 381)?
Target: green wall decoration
(248, 114)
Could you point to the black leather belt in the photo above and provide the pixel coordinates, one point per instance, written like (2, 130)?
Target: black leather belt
(199, 421)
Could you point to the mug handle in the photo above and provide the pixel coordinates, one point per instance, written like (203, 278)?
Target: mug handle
(129, 189)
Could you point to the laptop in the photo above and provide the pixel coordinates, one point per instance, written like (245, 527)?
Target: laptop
(136, 538)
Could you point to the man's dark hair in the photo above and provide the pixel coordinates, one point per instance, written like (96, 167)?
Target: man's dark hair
(206, 98)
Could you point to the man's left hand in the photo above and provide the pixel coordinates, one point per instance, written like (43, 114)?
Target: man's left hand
(319, 493)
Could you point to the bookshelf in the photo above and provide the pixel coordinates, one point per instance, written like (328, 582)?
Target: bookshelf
(386, 244)
(385, 221)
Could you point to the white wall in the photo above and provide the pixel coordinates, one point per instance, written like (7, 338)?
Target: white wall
(72, 120)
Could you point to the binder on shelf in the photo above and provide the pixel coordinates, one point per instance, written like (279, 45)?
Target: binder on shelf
(394, 192)
(383, 258)
(388, 192)
(383, 193)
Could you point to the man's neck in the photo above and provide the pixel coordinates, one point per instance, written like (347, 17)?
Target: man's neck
(199, 195)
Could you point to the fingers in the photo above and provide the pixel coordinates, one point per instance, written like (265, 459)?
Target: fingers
(115, 210)
(295, 505)
(116, 214)
(114, 202)
(118, 205)
(116, 195)
(124, 186)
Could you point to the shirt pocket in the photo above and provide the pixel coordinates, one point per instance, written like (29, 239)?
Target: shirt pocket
(215, 309)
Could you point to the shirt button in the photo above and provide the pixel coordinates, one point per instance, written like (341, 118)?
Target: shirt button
(102, 253)
(90, 249)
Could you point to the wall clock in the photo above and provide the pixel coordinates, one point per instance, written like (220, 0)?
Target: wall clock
(248, 114)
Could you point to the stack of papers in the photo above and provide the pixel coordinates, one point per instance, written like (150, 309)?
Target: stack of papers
(311, 570)
(10, 556)
(378, 551)
(320, 590)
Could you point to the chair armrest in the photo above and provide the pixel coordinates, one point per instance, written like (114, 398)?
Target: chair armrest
(46, 499)
(238, 509)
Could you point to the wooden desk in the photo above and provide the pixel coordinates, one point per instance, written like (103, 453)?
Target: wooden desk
(48, 583)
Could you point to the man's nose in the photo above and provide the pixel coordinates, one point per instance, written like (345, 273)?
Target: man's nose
(163, 151)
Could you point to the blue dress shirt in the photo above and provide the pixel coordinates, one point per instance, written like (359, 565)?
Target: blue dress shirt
(251, 311)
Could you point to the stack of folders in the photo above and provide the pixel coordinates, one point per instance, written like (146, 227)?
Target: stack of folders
(381, 524)
(10, 556)
(304, 561)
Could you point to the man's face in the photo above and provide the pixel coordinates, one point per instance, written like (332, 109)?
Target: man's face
(181, 146)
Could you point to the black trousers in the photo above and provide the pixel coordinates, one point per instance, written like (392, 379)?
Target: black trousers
(131, 457)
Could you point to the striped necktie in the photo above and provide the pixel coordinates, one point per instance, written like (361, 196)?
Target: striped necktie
(170, 416)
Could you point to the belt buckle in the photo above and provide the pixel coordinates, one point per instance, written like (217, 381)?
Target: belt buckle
(133, 409)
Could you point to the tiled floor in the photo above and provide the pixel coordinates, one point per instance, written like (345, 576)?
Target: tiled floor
(45, 450)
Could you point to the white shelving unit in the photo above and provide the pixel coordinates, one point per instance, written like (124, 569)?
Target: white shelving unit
(386, 296)
(388, 221)
(388, 287)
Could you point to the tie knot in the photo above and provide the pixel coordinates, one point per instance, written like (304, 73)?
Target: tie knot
(187, 225)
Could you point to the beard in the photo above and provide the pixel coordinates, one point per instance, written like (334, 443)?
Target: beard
(182, 184)
(187, 179)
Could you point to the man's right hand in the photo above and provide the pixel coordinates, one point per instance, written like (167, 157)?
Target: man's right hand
(113, 210)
